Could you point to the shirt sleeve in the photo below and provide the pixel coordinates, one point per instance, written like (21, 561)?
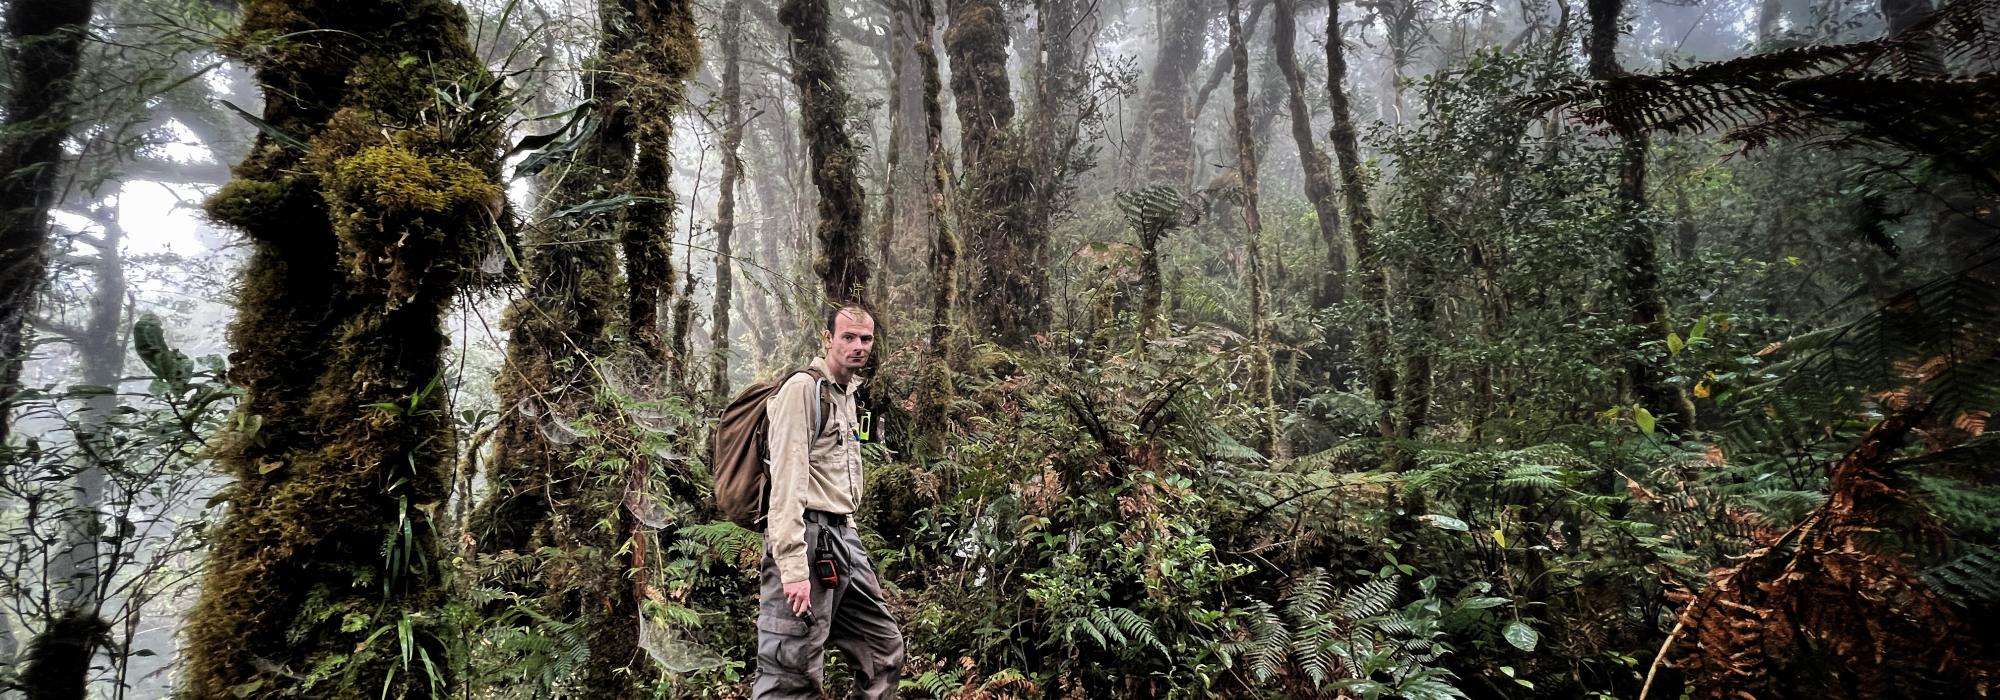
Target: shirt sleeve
(790, 413)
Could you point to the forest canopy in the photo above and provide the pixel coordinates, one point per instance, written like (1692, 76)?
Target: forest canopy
(1225, 348)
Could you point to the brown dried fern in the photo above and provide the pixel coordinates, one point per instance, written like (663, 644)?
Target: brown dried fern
(1822, 613)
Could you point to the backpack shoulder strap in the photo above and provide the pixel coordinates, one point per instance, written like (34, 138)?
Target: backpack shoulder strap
(819, 400)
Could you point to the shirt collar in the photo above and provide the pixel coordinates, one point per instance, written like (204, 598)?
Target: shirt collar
(853, 380)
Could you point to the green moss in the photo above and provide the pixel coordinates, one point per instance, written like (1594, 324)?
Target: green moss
(243, 203)
(393, 180)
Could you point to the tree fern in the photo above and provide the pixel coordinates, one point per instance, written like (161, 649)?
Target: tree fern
(1863, 92)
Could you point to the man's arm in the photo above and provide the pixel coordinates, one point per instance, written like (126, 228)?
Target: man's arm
(790, 415)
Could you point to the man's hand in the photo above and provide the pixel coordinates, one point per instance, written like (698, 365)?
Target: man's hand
(799, 594)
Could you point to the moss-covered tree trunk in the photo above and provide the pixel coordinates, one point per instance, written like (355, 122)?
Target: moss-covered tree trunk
(1262, 372)
(363, 218)
(1168, 149)
(1320, 193)
(842, 262)
(566, 455)
(1009, 287)
(1645, 308)
(1374, 351)
(731, 42)
(656, 68)
(43, 52)
(564, 319)
(944, 243)
(558, 330)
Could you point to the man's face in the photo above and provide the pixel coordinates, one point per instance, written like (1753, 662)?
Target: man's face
(852, 338)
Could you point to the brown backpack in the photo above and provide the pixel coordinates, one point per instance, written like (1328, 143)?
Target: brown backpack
(740, 448)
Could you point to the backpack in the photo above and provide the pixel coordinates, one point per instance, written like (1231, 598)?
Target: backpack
(740, 448)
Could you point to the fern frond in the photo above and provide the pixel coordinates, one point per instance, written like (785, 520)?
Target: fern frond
(1972, 578)
(1369, 599)
(1862, 92)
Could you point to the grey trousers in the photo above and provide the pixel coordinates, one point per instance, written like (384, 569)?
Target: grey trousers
(791, 651)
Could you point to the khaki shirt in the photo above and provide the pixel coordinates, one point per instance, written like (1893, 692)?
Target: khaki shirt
(809, 472)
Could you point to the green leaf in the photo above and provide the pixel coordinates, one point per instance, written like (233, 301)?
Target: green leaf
(1674, 343)
(276, 134)
(1644, 418)
(1483, 603)
(149, 341)
(1446, 522)
(1520, 635)
(599, 206)
(1700, 329)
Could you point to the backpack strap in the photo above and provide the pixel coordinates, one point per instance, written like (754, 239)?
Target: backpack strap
(819, 401)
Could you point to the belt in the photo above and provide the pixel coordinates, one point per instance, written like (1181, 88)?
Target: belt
(825, 518)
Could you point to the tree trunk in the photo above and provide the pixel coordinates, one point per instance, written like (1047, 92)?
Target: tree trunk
(1064, 31)
(725, 206)
(1419, 344)
(683, 323)
(817, 66)
(1168, 132)
(1360, 227)
(1009, 288)
(1644, 307)
(661, 56)
(1262, 372)
(45, 38)
(327, 555)
(937, 388)
(1319, 186)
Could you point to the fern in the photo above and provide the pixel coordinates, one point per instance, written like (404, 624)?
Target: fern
(1370, 599)
(1843, 95)
(1971, 579)
(717, 541)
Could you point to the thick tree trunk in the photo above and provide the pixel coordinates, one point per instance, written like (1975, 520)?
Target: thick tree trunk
(565, 315)
(725, 206)
(1319, 185)
(661, 56)
(359, 243)
(44, 48)
(816, 65)
(1381, 375)
(647, 242)
(1009, 287)
(1169, 134)
(1644, 306)
(1262, 372)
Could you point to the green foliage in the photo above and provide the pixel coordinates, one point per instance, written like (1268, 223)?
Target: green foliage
(101, 500)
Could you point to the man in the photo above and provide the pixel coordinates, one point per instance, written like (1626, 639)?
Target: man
(818, 585)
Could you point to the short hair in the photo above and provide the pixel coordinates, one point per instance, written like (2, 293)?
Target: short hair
(835, 310)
